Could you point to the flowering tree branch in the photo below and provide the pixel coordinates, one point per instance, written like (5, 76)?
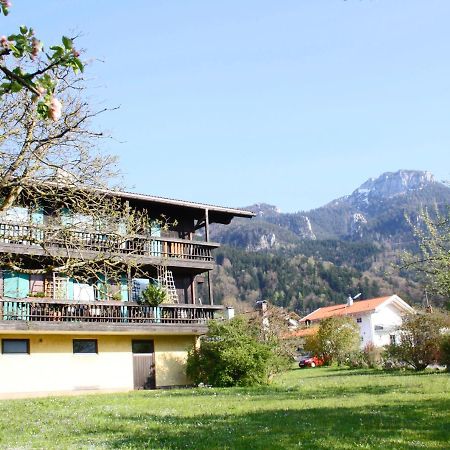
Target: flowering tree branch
(26, 65)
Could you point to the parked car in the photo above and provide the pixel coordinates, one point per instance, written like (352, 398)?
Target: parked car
(310, 361)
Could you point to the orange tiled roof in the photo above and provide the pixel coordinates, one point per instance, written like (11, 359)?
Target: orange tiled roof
(303, 332)
(343, 310)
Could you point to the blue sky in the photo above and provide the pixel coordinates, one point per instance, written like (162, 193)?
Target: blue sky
(292, 103)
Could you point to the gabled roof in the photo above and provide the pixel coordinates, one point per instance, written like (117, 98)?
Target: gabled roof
(360, 307)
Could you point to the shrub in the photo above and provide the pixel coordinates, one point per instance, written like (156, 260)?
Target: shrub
(370, 357)
(231, 354)
(336, 339)
(153, 295)
(373, 356)
(444, 354)
(420, 337)
(357, 360)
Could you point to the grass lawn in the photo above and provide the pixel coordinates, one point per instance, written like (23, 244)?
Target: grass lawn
(321, 408)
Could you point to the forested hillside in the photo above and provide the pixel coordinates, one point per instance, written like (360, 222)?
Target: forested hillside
(307, 277)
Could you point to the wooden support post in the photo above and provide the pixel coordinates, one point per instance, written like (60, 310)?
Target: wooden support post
(206, 225)
(210, 287)
(193, 290)
(129, 284)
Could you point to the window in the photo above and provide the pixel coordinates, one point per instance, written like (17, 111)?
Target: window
(142, 346)
(85, 346)
(16, 346)
(359, 320)
(393, 339)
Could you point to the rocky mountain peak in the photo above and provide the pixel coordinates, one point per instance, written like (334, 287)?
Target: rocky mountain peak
(391, 184)
(264, 209)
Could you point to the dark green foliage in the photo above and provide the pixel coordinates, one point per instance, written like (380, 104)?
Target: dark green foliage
(232, 354)
(292, 279)
(153, 295)
(444, 351)
(420, 340)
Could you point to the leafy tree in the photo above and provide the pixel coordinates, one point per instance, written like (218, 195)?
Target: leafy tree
(420, 340)
(433, 234)
(232, 354)
(336, 339)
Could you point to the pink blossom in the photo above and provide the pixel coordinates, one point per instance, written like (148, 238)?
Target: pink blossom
(55, 109)
(36, 47)
(5, 3)
(4, 42)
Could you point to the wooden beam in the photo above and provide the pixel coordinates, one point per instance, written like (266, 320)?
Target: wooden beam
(210, 287)
(206, 225)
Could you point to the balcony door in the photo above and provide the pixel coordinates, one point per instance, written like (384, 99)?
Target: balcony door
(143, 364)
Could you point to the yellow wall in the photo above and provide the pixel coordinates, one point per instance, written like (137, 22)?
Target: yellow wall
(52, 366)
(171, 354)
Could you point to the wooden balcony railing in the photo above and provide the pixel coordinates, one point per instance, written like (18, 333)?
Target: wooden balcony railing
(149, 246)
(106, 312)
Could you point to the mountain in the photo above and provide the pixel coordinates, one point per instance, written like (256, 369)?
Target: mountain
(374, 212)
(315, 258)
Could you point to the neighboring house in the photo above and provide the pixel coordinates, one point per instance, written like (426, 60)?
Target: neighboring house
(378, 318)
(60, 335)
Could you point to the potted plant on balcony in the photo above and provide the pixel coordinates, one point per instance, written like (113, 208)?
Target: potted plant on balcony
(153, 296)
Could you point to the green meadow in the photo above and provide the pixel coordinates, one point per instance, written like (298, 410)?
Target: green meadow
(321, 408)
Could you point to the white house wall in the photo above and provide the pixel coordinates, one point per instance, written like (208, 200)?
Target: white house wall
(365, 329)
(389, 318)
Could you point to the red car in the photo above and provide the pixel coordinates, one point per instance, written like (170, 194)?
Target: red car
(310, 361)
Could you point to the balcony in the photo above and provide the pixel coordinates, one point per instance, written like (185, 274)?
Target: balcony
(39, 239)
(106, 316)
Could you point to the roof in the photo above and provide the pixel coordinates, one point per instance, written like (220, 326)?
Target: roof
(302, 332)
(154, 198)
(216, 214)
(219, 212)
(357, 308)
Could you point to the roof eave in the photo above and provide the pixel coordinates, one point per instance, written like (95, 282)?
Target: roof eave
(236, 212)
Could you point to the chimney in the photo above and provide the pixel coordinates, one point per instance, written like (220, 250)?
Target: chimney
(349, 300)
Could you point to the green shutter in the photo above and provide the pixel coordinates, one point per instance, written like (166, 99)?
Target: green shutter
(156, 246)
(122, 228)
(37, 216)
(155, 229)
(66, 216)
(124, 288)
(101, 288)
(16, 285)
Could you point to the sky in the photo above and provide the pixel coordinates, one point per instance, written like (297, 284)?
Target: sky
(292, 103)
